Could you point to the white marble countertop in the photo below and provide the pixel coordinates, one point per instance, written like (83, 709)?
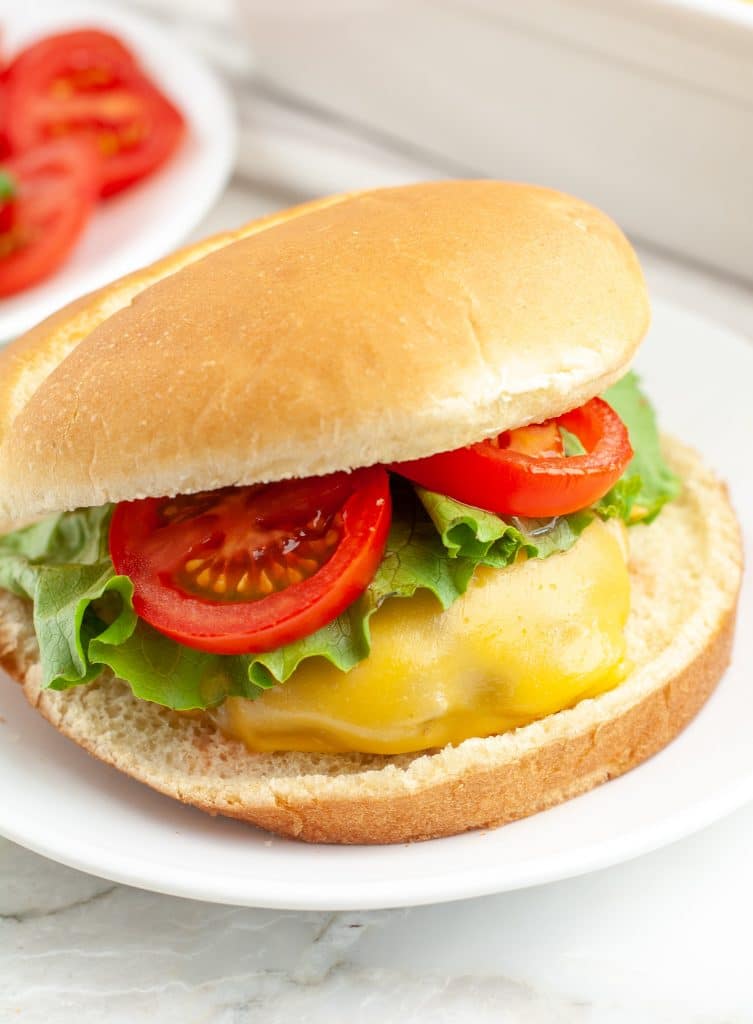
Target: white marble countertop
(663, 939)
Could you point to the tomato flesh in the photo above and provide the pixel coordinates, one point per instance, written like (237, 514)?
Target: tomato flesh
(538, 439)
(53, 195)
(87, 84)
(249, 569)
(524, 472)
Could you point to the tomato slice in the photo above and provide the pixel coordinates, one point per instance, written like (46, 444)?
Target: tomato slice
(49, 194)
(249, 569)
(4, 147)
(87, 84)
(524, 472)
(84, 46)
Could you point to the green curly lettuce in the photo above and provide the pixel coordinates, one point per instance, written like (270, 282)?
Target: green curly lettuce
(648, 483)
(487, 539)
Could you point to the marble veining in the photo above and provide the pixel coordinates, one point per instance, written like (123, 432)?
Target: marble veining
(661, 940)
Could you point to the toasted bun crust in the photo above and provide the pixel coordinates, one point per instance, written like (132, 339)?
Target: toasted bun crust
(685, 573)
(372, 327)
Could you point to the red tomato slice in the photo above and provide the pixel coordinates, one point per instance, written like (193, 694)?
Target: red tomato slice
(4, 147)
(248, 569)
(84, 45)
(50, 195)
(519, 473)
(87, 84)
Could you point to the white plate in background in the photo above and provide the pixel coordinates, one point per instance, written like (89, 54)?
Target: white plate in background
(150, 219)
(63, 804)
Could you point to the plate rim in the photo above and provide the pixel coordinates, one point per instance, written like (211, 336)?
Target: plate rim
(411, 892)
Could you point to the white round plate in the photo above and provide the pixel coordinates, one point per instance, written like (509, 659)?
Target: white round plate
(150, 219)
(61, 803)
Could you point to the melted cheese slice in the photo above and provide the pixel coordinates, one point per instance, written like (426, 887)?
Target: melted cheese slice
(522, 643)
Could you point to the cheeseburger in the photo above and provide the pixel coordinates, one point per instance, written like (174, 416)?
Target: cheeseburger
(356, 525)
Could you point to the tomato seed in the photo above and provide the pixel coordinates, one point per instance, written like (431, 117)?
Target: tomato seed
(264, 583)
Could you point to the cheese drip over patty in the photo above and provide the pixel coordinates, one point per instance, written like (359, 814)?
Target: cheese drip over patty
(522, 643)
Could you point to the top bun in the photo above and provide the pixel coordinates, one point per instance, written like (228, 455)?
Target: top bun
(372, 327)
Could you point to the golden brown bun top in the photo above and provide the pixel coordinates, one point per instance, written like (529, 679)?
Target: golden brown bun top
(371, 327)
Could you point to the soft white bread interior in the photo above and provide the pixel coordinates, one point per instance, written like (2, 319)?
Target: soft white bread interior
(685, 574)
(371, 327)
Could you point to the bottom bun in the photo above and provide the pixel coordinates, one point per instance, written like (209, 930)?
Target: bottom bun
(685, 574)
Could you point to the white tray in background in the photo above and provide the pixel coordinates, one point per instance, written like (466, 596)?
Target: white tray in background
(644, 107)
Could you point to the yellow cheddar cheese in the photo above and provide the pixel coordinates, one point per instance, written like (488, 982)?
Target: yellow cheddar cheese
(522, 643)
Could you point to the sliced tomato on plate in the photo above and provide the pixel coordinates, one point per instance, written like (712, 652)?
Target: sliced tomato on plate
(86, 83)
(248, 569)
(85, 47)
(526, 472)
(46, 198)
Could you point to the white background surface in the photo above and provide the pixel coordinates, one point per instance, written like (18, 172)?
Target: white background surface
(660, 940)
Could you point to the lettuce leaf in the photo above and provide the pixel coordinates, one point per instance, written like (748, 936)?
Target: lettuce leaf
(648, 483)
(468, 532)
(63, 565)
(85, 621)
